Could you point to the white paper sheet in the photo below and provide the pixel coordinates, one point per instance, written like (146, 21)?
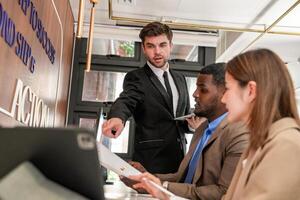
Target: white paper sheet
(113, 162)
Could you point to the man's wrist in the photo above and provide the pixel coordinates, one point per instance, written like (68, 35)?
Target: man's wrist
(165, 184)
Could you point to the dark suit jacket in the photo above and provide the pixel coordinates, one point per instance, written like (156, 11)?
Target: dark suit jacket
(216, 165)
(159, 140)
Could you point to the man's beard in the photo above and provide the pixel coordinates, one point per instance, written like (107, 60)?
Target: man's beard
(208, 110)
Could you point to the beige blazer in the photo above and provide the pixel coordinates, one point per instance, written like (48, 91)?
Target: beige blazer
(216, 165)
(274, 171)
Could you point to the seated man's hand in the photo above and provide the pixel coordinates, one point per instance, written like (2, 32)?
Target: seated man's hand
(143, 183)
(129, 183)
(137, 166)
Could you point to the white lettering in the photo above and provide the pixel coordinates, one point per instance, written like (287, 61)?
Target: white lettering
(37, 118)
(33, 99)
(26, 92)
(17, 102)
(28, 108)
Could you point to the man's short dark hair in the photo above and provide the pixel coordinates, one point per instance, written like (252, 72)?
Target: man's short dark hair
(156, 29)
(217, 70)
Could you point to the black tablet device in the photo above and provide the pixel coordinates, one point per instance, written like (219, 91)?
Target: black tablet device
(67, 156)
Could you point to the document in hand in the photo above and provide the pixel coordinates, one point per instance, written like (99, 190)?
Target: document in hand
(113, 162)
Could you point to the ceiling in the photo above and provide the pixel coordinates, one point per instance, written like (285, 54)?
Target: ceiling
(232, 26)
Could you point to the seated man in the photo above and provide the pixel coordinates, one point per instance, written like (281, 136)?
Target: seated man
(208, 167)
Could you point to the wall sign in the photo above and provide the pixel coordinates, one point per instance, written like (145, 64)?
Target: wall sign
(31, 45)
(28, 108)
(14, 38)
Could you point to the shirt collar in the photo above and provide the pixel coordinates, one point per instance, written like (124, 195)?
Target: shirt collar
(159, 71)
(214, 124)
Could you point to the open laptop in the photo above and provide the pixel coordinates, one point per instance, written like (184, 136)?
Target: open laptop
(67, 156)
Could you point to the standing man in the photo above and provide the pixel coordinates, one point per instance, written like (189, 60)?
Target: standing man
(154, 95)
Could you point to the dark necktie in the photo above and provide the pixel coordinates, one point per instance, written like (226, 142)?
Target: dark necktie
(168, 87)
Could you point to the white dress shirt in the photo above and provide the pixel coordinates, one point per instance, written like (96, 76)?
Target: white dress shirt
(159, 73)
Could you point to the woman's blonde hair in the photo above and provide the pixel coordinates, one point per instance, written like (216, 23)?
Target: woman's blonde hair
(275, 95)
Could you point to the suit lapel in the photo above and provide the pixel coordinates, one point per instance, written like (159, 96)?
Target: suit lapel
(215, 134)
(180, 88)
(185, 163)
(155, 81)
(213, 137)
(235, 179)
(249, 166)
(242, 174)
